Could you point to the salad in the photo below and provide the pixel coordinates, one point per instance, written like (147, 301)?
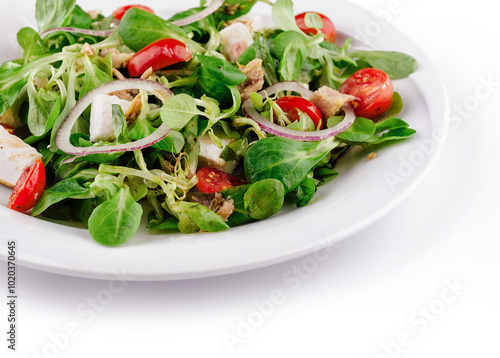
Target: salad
(198, 122)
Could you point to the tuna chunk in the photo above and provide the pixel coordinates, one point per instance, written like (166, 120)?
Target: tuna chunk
(118, 59)
(215, 202)
(329, 101)
(255, 78)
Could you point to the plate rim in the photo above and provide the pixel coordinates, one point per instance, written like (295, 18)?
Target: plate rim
(314, 245)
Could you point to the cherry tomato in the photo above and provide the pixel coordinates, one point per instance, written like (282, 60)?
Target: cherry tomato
(159, 54)
(28, 189)
(373, 89)
(328, 29)
(9, 129)
(211, 180)
(118, 13)
(290, 105)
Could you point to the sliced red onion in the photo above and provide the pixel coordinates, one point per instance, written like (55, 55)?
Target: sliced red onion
(101, 33)
(210, 9)
(287, 86)
(278, 130)
(64, 132)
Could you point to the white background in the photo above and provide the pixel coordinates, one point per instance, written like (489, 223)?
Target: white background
(369, 297)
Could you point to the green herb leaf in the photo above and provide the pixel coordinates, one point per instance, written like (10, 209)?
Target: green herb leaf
(141, 128)
(305, 192)
(78, 18)
(82, 209)
(117, 220)
(284, 16)
(58, 192)
(390, 124)
(325, 174)
(257, 101)
(235, 150)
(186, 225)
(264, 198)
(395, 134)
(232, 9)
(10, 92)
(395, 64)
(172, 143)
(216, 140)
(171, 224)
(284, 159)
(213, 88)
(203, 217)
(31, 42)
(313, 20)
(395, 108)
(228, 129)
(83, 140)
(139, 28)
(291, 63)
(359, 131)
(178, 111)
(44, 108)
(222, 70)
(51, 13)
(94, 77)
(261, 49)
(118, 120)
(305, 123)
(67, 170)
(283, 40)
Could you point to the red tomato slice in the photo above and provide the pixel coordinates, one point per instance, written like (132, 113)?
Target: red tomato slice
(373, 88)
(328, 28)
(29, 188)
(9, 129)
(159, 54)
(290, 105)
(211, 180)
(118, 13)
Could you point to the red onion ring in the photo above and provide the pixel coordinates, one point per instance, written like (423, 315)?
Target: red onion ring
(288, 86)
(270, 127)
(210, 9)
(101, 33)
(157, 89)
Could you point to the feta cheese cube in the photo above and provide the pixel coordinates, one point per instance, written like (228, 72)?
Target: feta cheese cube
(235, 39)
(210, 154)
(101, 114)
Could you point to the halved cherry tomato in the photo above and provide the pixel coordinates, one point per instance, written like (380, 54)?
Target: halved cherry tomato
(29, 187)
(9, 129)
(290, 105)
(373, 88)
(159, 54)
(211, 180)
(328, 29)
(118, 13)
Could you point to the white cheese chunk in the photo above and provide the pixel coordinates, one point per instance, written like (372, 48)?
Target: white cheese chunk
(15, 156)
(210, 154)
(101, 113)
(235, 39)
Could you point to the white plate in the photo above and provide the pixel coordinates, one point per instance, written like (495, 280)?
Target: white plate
(362, 194)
